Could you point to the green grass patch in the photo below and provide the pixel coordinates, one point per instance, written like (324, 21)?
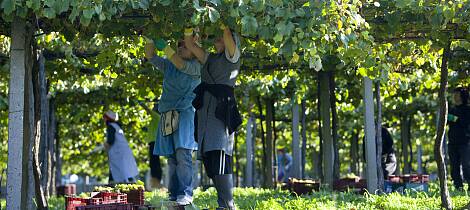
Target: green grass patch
(253, 198)
(274, 199)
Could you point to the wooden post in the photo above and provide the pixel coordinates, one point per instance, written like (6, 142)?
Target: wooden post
(327, 144)
(249, 153)
(304, 137)
(419, 158)
(20, 118)
(269, 182)
(274, 152)
(253, 146)
(371, 158)
(405, 131)
(296, 170)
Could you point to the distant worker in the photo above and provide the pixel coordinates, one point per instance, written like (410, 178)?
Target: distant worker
(389, 160)
(122, 165)
(284, 164)
(459, 137)
(150, 138)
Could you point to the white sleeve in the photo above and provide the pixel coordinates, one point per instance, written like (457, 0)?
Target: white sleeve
(236, 55)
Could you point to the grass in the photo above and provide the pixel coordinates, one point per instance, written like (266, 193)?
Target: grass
(263, 199)
(273, 199)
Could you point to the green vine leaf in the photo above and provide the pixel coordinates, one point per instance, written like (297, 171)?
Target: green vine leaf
(214, 15)
(8, 6)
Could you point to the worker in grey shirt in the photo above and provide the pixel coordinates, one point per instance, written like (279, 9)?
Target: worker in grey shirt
(217, 116)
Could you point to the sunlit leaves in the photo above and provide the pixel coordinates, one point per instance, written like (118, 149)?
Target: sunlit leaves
(249, 25)
(8, 6)
(214, 15)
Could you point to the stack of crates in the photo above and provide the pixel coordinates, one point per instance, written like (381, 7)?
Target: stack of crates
(101, 198)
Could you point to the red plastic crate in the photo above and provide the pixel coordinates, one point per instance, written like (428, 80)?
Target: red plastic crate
(71, 202)
(413, 178)
(115, 206)
(136, 197)
(110, 198)
(424, 178)
(394, 179)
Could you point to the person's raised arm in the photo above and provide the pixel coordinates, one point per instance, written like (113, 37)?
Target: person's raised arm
(146, 108)
(191, 45)
(170, 53)
(157, 61)
(229, 40)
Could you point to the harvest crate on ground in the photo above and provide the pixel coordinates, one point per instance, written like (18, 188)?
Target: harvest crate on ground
(302, 186)
(355, 184)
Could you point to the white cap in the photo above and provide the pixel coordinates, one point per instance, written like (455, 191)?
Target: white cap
(112, 115)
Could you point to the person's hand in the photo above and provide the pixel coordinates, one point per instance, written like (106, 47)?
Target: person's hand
(98, 148)
(149, 48)
(106, 146)
(160, 44)
(222, 26)
(452, 118)
(188, 32)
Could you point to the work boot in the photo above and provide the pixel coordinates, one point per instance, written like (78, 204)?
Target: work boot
(224, 186)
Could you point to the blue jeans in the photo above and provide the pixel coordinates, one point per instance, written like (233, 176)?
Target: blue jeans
(180, 166)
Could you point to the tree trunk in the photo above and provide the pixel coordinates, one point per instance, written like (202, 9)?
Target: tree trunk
(296, 170)
(52, 151)
(438, 152)
(378, 130)
(370, 142)
(398, 152)
(263, 141)
(236, 159)
(58, 167)
(334, 125)
(40, 198)
(354, 154)
(44, 118)
(304, 137)
(40, 143)
(269, 144)
(327, 144)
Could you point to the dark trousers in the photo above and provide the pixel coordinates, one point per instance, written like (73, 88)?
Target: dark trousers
(155, 166)
(459, 157)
